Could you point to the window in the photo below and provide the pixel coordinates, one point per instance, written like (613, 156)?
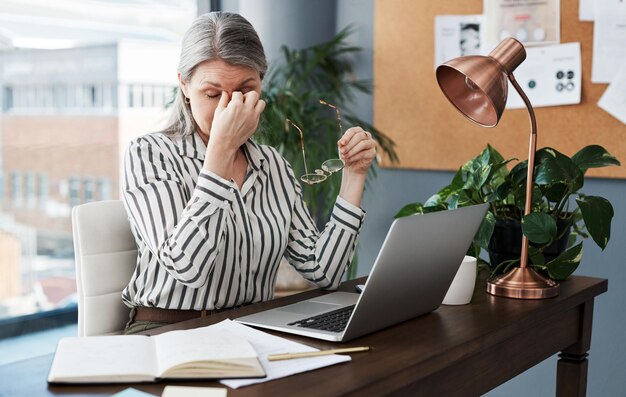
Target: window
(74, 191)
(105, 189)
(16, 189)
(44, 178)
(7, 98)
(88, 189)
(29, 181)
(131, 97)
(148, 101)
(43, 191)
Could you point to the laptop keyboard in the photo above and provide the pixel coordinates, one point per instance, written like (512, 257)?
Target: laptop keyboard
(334, 321)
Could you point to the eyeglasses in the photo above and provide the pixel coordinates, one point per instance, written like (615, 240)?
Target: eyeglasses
(329, 166)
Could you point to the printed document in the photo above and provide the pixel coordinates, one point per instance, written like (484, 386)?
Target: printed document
(609, 39)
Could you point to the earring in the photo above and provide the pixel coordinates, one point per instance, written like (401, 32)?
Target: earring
(187, 101)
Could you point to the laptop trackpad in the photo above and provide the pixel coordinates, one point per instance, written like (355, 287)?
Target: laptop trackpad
(308, 308)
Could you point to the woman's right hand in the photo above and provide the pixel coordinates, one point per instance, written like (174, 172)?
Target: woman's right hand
(235, 120)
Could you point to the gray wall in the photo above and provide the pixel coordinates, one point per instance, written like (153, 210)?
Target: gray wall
(394, 188)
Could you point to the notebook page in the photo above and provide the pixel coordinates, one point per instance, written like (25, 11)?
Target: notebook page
(199, 344)
(104, 357)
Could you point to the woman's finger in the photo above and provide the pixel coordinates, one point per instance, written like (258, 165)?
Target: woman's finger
(363, 155)
(236, 96)
(251, 98)
(362, 145)
(356, 137)
(259, 107)
(347, 136)
(224, 99)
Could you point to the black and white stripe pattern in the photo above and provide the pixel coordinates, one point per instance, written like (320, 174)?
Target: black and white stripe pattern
(204, 244)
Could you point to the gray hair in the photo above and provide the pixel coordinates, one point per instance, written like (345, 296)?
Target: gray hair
(215, 35)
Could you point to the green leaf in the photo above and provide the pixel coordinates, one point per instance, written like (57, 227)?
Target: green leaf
(485, 157)
(484, 175)
(594, 156)
(597, 213)
(452, 188)
(435, 208)
(536, 256)
(433, 201)
(555, 193)
(520, 197)
(518, 174)
(565, 264)
(571, 239)
(554, 167)
(540, 228)
(499, 170)
(503, 191)
(483, 235)
(495, 156)
(410, 209)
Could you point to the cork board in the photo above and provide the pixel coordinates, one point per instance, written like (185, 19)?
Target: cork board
(431, 135)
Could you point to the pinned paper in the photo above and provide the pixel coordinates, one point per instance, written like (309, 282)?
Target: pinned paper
(614, 98)
(529, 21)
(550, 76)
(609, 39)
(585, 10)
(458, 35)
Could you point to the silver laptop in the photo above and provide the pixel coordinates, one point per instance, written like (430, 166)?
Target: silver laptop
(412, 273)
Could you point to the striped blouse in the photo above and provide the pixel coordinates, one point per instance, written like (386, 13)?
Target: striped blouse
(204, 244)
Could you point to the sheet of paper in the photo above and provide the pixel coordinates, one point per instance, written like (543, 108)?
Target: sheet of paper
(266, 344)
(458, 35)
(130, 392)
(550, 76)
(585, 10)
(609, 39)
(614, 98)
(190, 391)
(530, 21)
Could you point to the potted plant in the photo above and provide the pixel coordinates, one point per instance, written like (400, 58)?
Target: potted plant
(293, 89)
(560, 212)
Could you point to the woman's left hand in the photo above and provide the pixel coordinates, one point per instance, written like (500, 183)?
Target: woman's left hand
(357, 149)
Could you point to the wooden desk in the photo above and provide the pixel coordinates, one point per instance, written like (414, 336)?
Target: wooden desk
(454, 351)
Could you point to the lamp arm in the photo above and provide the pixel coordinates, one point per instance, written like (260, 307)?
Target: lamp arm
(532, 147)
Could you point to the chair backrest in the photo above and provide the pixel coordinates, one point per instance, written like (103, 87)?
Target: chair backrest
(106, 255)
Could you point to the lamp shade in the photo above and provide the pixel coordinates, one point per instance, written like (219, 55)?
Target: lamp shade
(477, 85)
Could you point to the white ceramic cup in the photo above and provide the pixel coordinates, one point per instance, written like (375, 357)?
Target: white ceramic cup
(462, 287)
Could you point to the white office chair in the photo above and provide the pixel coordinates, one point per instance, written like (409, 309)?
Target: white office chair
(106, 254)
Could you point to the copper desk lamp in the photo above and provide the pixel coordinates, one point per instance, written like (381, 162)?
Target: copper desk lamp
(477, 87)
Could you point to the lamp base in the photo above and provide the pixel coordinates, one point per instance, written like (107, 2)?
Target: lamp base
(523, 283)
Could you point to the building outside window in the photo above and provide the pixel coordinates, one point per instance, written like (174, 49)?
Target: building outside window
(43, 191)
(104, 186)
(16, 189)
(74, 191)
(29, 182)
(88, 190)
(7, 98)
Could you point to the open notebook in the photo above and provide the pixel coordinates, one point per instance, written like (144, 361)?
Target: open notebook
(189, 354)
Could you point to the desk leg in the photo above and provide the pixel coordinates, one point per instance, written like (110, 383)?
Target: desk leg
(571, 372)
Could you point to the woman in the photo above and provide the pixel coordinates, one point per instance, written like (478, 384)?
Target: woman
(213, 212)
